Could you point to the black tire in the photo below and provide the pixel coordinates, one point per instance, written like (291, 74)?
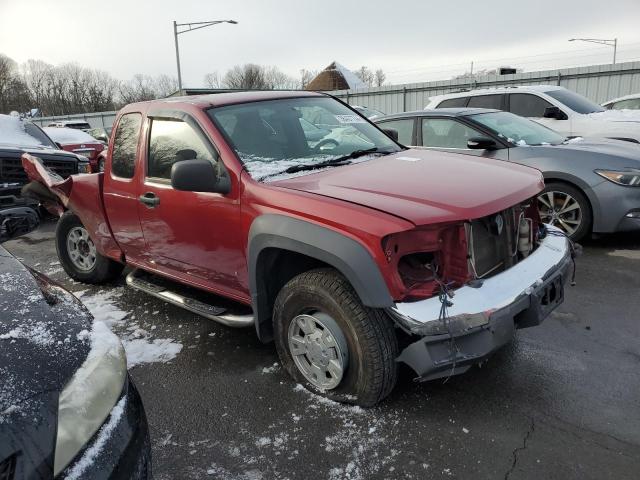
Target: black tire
(370, 337)
(584, 227)
(103, 270)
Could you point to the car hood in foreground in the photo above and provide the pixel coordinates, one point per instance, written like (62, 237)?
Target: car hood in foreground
(424, 186)
(39, 345)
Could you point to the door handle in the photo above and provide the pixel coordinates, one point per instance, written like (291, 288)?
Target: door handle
(150, 199)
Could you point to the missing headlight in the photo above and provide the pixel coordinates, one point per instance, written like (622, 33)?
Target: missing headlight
(417, 268)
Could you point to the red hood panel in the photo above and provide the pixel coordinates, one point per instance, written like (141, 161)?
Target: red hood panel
(425, 186)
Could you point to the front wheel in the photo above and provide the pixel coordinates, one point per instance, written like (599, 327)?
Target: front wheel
(332, 344)
(78, 255)
(567, 208)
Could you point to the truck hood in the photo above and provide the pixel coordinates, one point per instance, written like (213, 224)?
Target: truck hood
(425, 187)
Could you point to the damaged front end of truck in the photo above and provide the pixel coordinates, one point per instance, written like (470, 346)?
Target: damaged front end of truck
(468, 286)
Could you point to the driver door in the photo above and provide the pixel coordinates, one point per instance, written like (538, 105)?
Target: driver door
(191, 235)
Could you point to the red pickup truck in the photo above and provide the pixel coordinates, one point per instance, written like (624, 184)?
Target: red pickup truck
(291, 212)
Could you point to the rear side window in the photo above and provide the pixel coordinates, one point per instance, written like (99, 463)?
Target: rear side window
(404, 127)
(527, 105)
(125, 145)
(172, 141)
(454, 102)
(486, 101)
(631, 103)
(446, 133)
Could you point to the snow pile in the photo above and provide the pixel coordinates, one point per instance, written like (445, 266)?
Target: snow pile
(12, 132)
(138, 344)
(351, 78)
(616, 115)
(573, 140)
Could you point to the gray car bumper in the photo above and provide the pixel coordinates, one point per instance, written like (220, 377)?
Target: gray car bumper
(479, 320)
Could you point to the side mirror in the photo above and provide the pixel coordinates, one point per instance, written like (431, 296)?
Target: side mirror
(59, 145)
(17, 221)
(391, 132)
(199, 176)
(554, 112)
(481, 143)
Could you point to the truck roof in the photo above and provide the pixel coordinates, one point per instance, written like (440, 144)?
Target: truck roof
(228, 98)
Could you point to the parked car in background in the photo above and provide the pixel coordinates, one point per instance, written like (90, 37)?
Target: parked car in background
(68, 408)
(562, 110)
(350, 259)
(100, 133)
(370, 113)
(18, 136)
(77, 141)
(591, 185)
(628, 102)
(76, 124)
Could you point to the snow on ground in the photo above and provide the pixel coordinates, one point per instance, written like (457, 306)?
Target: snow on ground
(138, 343)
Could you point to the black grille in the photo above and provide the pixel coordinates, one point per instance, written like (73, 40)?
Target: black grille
(8, 468)
(11, 170)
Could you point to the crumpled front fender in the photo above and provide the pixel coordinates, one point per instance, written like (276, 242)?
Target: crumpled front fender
(49, 188)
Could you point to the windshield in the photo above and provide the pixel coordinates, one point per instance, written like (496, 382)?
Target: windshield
(575, 102)
(273, 135)
(518, 130)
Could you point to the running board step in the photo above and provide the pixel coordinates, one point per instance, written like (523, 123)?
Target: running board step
(184, 297)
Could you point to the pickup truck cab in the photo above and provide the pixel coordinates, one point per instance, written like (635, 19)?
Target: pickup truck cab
(351, 252)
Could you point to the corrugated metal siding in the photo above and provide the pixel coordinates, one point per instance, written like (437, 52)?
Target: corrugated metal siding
(597, 82)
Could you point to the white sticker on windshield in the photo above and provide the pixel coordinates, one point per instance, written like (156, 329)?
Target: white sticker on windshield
(350, 119)
(408, 159)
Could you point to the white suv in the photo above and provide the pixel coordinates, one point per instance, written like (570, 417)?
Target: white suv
(555, 107)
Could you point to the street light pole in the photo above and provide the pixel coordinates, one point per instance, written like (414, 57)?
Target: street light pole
(190, 27)
(602, 41)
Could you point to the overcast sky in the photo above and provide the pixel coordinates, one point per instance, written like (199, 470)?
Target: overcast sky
(411, 40)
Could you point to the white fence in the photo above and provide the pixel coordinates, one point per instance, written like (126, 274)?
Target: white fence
(597, 82)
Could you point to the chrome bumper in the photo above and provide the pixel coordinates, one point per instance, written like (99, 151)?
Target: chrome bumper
(472, 306)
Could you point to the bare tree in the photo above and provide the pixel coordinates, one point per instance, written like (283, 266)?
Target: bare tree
(246, 77)
(212, 80)
(14, 94)
(306, 76)
(380, 77)
(165, 85)
(276, 79)
(366, 75)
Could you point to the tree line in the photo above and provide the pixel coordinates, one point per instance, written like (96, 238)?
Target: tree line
(71, 88)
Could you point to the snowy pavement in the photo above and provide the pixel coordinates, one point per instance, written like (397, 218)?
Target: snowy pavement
(560, 402)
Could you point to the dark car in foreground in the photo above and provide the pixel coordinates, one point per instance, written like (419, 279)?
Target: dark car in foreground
(68, 408)
(19, 136)
(591, 185)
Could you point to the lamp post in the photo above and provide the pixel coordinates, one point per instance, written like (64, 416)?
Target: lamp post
(612, 43)
(188, 27)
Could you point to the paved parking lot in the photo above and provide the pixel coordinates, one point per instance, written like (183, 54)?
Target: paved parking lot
(563, 401)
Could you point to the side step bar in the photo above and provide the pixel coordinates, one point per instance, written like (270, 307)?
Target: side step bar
(144, 282)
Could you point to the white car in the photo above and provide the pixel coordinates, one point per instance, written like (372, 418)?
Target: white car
(555, 107)
(628, 102)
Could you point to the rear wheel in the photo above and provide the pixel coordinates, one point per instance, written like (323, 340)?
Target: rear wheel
(332, 344)
(567, 208)
(78, 254)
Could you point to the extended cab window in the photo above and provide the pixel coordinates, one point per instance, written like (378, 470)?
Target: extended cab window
(527, 105)
(446, 133)
(404, 127)
(172, 141)
(486, 101)
(125, 145)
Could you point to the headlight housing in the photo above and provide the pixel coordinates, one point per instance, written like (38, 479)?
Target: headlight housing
(86, 401)
(629, 177)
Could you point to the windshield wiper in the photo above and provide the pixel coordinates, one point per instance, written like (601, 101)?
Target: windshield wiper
(334, 162)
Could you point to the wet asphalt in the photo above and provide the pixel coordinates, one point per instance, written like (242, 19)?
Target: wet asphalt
(561, 402)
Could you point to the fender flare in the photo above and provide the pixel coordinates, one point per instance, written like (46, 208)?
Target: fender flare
(344, 254)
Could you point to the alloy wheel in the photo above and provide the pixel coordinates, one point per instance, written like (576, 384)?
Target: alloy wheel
(560, 210)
